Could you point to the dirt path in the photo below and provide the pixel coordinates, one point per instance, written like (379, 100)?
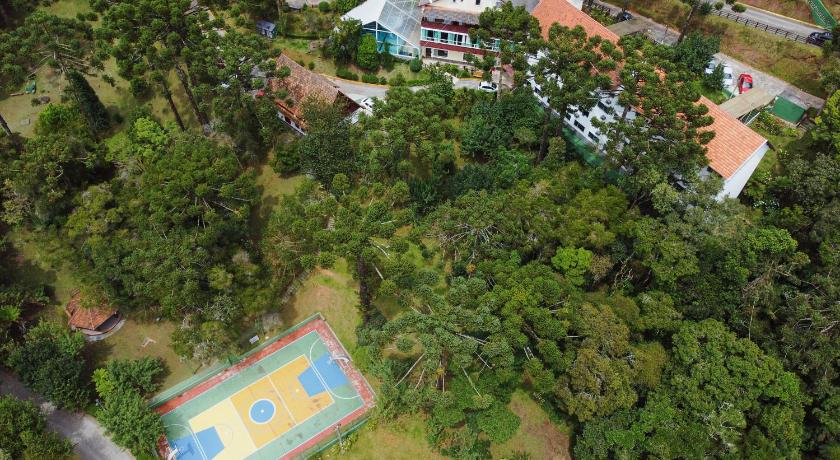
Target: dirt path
(88, 437)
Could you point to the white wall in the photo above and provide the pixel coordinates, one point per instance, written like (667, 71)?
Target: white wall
(732, 187)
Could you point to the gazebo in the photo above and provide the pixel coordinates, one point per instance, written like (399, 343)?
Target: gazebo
(91, 321)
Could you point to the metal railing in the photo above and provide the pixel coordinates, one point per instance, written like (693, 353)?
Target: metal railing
(739, 20)
(762, 26)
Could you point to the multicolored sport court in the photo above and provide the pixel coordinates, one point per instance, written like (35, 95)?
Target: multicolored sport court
(280, 401)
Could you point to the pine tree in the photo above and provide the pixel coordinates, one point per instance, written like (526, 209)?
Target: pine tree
(91, 107)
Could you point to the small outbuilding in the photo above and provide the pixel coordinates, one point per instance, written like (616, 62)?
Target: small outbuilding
(266, 29)
(91, 321)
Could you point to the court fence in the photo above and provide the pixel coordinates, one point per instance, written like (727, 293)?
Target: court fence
(339, 434)
(197, 379)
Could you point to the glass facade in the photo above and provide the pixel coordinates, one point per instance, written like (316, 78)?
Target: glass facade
(388, 41)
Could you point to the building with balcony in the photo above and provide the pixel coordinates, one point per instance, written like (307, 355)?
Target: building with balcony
(733, 154)
(445, 30)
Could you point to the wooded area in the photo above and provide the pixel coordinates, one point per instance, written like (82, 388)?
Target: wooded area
(624, 298)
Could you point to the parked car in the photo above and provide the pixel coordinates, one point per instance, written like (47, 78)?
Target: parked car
(728, 78)
(819, 38)
(745, 83)
(367, 103)
(488, 86)
(623, 16)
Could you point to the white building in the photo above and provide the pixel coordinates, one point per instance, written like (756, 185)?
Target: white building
(735, 151)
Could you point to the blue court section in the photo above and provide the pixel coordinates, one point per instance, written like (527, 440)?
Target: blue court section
(310, 382)
(330, 371)
(262, 411)
(211, 445)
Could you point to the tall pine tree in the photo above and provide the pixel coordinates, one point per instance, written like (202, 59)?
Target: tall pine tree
(80, 91)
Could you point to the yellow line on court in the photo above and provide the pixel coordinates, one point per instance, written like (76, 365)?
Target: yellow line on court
(283, 401)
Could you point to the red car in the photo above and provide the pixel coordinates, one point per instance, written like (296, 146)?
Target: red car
(745, 83)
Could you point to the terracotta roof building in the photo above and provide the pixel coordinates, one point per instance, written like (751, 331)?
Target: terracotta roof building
(90, 321)
(564, 13)
(302, 86)
(735, 151)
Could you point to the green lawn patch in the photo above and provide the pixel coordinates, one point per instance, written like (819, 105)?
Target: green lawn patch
(403, 438)
(537, 435)
(137, 339)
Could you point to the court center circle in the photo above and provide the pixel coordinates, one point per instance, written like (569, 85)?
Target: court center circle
(262, 411)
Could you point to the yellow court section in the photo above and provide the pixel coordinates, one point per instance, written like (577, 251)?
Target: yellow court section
(299, 403)
(228, 425)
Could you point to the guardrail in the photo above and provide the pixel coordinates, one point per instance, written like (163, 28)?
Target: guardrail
(762, 26)
(739, 20)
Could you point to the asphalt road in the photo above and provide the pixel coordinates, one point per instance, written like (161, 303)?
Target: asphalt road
(358, 91)
(89, 438)
(776, 20)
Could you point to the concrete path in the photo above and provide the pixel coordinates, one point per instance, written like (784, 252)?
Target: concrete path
(775, 86)
(89, 438)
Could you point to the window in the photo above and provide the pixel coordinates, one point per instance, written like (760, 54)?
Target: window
(458, 39)
(441, 53)
(585, 113)
(592, 136)
(429, 34)
(478, 2)
(444, 37)
(569, 116)
(604, 107)
(439, 20)
(579, 126)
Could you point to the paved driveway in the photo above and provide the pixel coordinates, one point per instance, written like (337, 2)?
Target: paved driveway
(89, 438)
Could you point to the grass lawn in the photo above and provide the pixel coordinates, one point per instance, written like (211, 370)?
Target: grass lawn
(137, 339)
(797, 9)
(402, 439)
(68, 8)
(39, 264)
(298, 49)
(334, 293)
(537, 435)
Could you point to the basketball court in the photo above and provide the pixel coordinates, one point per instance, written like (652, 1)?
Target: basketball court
(280, 401)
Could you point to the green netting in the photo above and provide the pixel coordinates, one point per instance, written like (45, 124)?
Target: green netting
(821, 14)
(190, 382)
(787, 110)
(582, 148)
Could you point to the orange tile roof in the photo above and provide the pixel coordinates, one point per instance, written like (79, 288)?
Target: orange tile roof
(303, 84)
(87, 318)
(733, 144)
(564, 13)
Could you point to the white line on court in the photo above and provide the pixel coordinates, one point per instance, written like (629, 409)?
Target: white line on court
(321, 378)
(195, 438)
(282, 401)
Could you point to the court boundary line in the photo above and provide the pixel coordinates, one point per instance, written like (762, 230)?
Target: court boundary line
(227, 377)
(280, 397)
(195, 438)
(324, 382)
(181, 394)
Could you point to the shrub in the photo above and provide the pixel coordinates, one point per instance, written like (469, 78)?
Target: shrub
(346, 74)
(383, 81)
(415, 65)
(370, 78)
(705, 9)
(286, 158)
(739, 8)
(729, 2)
(719, 6)
(387, 61)
(398, 80)
(324, 7)
(366, 55)
(311, 65)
